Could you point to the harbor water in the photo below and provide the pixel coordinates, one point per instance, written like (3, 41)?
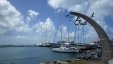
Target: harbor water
(31, 55)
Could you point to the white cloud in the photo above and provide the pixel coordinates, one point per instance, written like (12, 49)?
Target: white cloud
(32, 14)
(10, 18)
(25, 39)
(65, 33)
(21, 37)
(46, 25)
(101, 8)
(71, 5)
(24, 28)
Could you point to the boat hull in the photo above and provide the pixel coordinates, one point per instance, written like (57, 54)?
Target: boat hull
(65, 50)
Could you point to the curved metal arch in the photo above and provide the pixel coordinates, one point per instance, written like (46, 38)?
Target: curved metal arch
(106, 47)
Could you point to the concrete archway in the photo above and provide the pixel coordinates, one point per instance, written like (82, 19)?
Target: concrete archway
(106, 47)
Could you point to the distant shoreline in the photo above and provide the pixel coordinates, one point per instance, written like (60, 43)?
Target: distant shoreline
(2, 46)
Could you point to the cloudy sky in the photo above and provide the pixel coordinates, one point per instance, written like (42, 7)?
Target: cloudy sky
(28, 21)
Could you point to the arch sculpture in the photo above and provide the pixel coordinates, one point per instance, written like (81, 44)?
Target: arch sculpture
(106, 47)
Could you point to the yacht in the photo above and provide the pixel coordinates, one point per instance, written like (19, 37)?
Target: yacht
(63, 48)
(46, 44)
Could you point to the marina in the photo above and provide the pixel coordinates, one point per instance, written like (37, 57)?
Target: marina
(56, 32)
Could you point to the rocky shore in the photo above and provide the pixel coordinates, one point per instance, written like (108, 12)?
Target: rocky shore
(68, 61)
(77, 61)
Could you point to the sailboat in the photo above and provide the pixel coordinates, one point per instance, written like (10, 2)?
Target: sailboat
(65, 47)
(46, 43)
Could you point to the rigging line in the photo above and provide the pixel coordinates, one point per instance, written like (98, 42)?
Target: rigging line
(68, 32)
(83, 33)
(69, 37)
(75, 34)
(57, 28)
(46, 33)
(41, 38)
(61, 31)
(80, 34)
(68, 27)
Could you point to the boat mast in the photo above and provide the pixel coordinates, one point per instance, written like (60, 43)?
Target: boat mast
(46, 33)
(68, 32)
(61, 31)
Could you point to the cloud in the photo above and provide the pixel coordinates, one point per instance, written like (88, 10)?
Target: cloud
(32, 14)
(10, 17)
(12, 20)
(64, 32)
(24, 28)
(25, 39)
(47, 25)
(101, 8)
(21, 37)
(71, 5)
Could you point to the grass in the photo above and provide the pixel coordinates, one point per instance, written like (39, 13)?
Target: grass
(78, 62)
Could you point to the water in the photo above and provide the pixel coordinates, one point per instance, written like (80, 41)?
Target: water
(31, 55)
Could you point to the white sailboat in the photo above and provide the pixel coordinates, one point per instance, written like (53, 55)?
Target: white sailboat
(66, 49)
(46, 43)
(65, 46)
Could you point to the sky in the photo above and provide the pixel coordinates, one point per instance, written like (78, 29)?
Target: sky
(36, 21)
